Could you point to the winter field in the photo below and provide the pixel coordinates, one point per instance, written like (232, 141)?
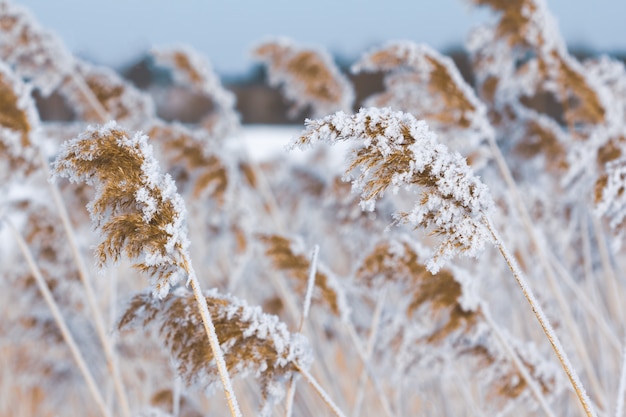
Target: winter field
(447, 247)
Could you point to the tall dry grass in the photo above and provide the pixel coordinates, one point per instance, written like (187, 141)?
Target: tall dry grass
(464, 258)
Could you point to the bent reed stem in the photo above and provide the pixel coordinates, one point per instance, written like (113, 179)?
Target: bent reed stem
(543, 322)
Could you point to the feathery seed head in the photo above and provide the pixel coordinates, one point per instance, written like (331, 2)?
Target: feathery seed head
(192, 70)
(136, 208)
(33, 52)
(309, 77)
(398, 152)
(253, 342)
(18, 124)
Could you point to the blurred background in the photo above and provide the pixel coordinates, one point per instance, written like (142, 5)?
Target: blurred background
(118, 33)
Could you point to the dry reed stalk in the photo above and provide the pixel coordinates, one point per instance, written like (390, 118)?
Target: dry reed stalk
(60, 321)
(369, 349)
(291, 391)
(308, 77)
(139, 214)
(545, 325)
(621, 389)
(18, 137)
(542, 253)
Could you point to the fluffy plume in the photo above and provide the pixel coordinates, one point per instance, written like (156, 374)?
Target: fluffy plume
(193, 70)
(33, 52)
(18, 122)
(426, 84)
(120, 100)
(136, 207)
(253, 342)
(397, 151)
(442, 317)
(191, 160)
(18, 125)
(308, 77)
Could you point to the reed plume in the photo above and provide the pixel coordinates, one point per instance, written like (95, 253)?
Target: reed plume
(420, 81)
(32, 51)
(442, 317)
(194, 71)
(136, 208)
(19, 124)
(253, 342)
(192, 159)
(610, 194)
(118, 98)
(308, 77)
(398, 151)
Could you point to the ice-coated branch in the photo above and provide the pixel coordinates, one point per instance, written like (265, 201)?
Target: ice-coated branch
(399, 151)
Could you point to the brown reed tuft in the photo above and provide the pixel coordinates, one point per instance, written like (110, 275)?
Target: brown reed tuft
(120, 100)
(136, 208)
(190, 161)
(309, 78)
(450, 319)
(33, 52)
(253, 342)
(399, 152)
(18, 123)
(192, 70)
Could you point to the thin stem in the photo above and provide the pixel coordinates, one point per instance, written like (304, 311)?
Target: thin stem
(60, 321)
(363, 356)
(320, 391)
(541, 251)
(615, 290)
(621, 390)
(543, 322)
(291, 391)
(532, 384)
(371, 340)
(209, 328)
(584, 300)
(89, 293)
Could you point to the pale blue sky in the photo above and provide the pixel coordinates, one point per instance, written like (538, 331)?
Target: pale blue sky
(113, 32)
